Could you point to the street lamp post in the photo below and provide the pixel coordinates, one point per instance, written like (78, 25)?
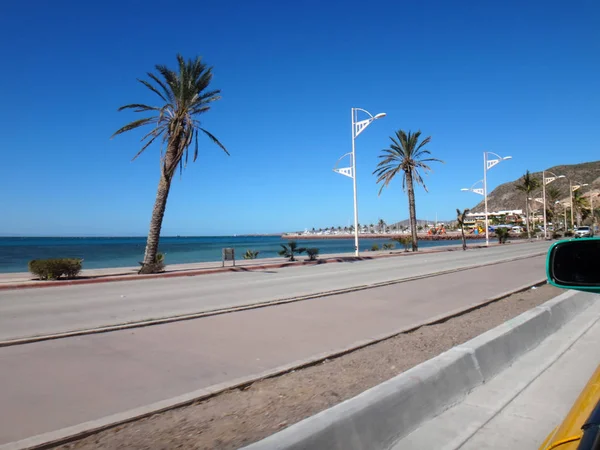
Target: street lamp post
(357, 128)
(546, 181)
(487, 165)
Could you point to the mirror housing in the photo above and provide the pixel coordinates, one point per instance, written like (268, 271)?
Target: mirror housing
(575, 264)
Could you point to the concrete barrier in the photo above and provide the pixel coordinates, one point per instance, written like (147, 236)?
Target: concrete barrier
(499, 347)
(381, 415)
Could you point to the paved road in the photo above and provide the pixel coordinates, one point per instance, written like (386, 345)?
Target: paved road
(519, 407)
(41, 311)
(54, 384)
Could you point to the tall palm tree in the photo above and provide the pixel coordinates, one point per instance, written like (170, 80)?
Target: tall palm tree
(408, 156)
(460, 218)
(381, 224)
(184, 95)
(581, 206)
(528, 185)
(553, 195)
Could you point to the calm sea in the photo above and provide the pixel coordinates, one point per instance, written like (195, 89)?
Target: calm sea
(101, 252)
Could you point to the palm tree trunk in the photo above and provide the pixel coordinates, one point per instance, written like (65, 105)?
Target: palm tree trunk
(160, 204)
(412, 210)
(462, 230)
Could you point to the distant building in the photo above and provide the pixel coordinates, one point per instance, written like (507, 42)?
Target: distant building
(508, 216)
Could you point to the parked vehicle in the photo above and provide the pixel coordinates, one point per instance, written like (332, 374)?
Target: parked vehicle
(583, 232)
(517, 229)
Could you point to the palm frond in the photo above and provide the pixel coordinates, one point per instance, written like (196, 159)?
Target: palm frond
(186, 95)
(152, 88)
(139, 107)
(134, 124)
(215, 140)
(168, 92)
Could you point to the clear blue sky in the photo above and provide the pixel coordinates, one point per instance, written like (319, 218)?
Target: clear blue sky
(514, 77)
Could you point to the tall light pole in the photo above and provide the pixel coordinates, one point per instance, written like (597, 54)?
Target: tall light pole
(573, 188)
(357, 128)
(546, 181)
(487, 165)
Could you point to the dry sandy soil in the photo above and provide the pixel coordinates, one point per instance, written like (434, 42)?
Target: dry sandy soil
(240, 417)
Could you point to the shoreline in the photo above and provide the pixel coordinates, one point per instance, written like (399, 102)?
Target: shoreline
(389, 237)
(334, 244)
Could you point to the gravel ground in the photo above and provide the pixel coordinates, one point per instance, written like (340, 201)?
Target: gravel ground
(240, 417)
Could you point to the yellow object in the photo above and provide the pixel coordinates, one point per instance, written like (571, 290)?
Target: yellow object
(567, 435)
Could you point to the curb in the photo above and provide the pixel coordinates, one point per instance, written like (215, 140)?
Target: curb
(80, 431)
(216, 312)
(385, 413)
(195, 272)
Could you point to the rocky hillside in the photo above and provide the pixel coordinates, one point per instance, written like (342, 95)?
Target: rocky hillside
(506, 195)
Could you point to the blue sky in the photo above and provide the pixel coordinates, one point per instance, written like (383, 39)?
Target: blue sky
(516, 78)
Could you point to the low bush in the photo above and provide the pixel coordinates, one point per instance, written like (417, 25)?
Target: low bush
(388, 246)
(404, 241)
(568, 233)
(556, 235)
(156, 267)
(251, 254)
(55, 268)
(374, 247)
(502, 235)
(312, 253)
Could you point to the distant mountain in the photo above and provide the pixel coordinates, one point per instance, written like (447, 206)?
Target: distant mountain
(506, 196)
(406, 223)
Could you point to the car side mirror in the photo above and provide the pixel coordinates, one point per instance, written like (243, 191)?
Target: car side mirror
(575, 264)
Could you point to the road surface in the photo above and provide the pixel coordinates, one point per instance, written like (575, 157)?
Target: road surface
(40, 311)
(54, 384)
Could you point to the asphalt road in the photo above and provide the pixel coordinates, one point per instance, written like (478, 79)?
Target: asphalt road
(54, 384)
(40, 311)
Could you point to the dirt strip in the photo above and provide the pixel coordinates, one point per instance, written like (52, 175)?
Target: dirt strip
(242, 416)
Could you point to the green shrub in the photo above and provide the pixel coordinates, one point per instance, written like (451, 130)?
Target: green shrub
(404, 241)
(156, 267)
(388, 246)
(251, 254)
(288, 251)
(568, 233)
(556, 235)
(374, 247)
(312, 253)
(502, 235)
(55, 268)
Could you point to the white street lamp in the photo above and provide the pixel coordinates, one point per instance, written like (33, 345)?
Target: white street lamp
(357, 128)
(573, 188)
(546, 181)
(473, 189)
(487, 165)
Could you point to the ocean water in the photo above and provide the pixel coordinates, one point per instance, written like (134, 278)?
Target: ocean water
(101, 252)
